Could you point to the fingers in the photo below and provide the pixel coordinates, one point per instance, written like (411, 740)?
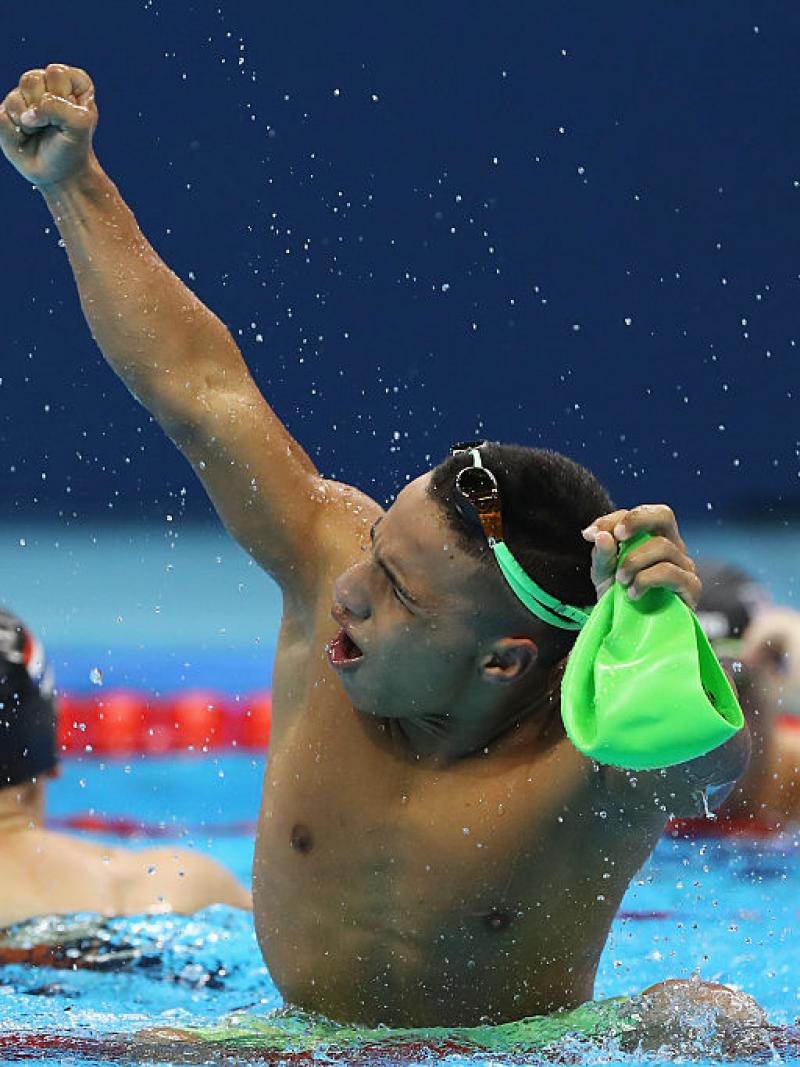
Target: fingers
(56, 96)
(604, 561)
(11, 111)
(82, 86)
(59, 81)
(32, 87)
(650, 518)
(10, 134)
(661, 562)
(656, 550)
(56, 111)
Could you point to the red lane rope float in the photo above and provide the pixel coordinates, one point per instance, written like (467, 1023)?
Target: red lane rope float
(121, 826)
(733, 826)
(126, 722)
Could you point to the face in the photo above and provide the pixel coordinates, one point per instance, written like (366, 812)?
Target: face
(413, 613)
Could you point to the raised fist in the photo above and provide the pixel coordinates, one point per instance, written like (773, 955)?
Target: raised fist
(47, 123)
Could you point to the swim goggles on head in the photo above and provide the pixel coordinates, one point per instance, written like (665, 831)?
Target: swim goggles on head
(479, 486)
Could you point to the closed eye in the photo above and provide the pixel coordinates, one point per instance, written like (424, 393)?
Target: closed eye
(400, 595)
(405, 598)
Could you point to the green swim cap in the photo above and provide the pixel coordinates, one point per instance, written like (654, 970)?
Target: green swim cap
(643, 688)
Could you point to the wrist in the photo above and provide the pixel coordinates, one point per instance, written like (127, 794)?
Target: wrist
(88, 181)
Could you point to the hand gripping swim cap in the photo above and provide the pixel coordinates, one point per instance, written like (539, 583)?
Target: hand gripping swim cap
(642, 688)
(27, 705)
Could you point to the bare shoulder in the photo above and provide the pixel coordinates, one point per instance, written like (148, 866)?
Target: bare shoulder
(175, 879)
(334, 541)
(344, 522)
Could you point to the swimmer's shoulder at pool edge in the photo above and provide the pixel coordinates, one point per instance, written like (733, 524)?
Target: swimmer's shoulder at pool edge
(48, 872)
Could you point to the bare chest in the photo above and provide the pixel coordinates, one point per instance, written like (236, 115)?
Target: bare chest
(368, 861)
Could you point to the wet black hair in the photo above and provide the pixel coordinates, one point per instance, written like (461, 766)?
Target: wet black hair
(546, 499)
(27, 705)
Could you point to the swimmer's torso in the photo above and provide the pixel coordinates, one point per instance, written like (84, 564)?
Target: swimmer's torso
(388, 890)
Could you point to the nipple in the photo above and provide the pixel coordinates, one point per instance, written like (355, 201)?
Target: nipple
(301, 839)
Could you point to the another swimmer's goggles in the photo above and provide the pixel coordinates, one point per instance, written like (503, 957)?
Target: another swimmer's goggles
(479, 486)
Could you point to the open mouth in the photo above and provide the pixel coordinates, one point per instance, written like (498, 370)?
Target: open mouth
(343, 652)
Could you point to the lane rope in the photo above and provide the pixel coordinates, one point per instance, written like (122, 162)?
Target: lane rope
(129, 722)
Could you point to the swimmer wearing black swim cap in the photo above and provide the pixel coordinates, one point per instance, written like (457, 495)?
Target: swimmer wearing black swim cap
(50, 873)
(27, 705)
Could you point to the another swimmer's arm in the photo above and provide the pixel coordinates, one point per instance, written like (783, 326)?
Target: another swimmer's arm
(171, 351)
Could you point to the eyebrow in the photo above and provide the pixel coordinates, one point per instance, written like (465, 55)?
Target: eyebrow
(386, 568)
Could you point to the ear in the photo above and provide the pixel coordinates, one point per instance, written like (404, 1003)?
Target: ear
(509, 659)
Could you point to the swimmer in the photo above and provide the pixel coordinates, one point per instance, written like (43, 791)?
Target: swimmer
(48, 873)
(432, 850)
(760, 641)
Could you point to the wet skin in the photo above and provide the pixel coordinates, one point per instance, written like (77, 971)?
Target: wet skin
(431, 849)
(416, 889)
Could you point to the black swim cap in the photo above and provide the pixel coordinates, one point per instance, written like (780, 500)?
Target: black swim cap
(27, 705)
(730, 599)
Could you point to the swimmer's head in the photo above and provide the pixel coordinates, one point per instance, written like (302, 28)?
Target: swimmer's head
(731, 598)
(431, 627)
(27, 705)
(546, 500)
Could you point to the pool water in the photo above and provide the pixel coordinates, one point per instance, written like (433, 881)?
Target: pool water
(161, 610)
(725, 908)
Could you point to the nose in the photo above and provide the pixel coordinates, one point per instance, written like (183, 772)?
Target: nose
(351, 592)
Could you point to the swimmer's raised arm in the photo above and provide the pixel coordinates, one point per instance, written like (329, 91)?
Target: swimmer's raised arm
(171, 351)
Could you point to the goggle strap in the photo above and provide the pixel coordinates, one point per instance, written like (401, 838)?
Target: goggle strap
(533, 597)
(537, 600)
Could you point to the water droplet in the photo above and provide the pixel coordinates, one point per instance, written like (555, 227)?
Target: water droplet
(709, 814)
(96, 676)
